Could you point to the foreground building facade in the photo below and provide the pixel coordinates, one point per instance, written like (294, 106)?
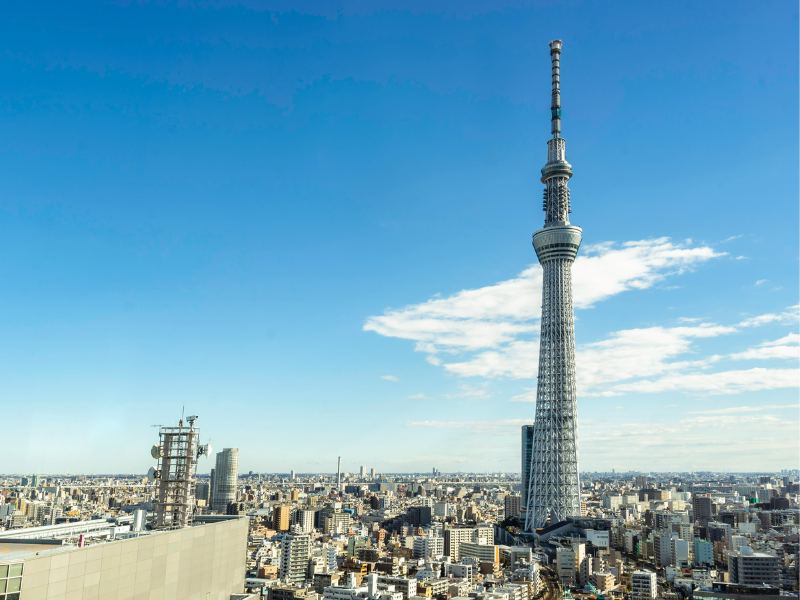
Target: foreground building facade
(202, 562)
(553, 486)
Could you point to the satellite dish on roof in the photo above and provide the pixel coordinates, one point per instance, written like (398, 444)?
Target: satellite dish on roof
(152, 474)
(155, 451)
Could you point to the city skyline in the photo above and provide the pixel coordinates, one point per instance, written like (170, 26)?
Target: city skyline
(327, 238)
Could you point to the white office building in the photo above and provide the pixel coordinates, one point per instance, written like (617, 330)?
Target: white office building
(294, 557)
(643, 585)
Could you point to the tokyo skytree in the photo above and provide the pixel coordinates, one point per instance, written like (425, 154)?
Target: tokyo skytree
(554, 487)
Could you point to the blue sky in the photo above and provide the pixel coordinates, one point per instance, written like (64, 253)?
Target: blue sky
(310, 224)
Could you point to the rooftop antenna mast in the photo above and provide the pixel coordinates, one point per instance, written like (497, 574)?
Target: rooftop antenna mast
(176, 452)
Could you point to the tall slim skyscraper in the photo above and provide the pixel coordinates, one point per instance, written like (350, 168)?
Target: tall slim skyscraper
(527, 448)
(554, 489)
(226, 476)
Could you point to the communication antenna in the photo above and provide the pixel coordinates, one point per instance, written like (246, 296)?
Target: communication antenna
(177, 452)
(204, 450)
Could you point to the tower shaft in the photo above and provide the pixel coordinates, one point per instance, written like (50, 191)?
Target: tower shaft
(554, 484)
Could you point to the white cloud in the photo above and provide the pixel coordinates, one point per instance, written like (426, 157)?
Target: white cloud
(482, 425)
(730, 410)
(498, 314)
(787, 347)
(470, 392)
(790, 316)
(721, 382)
(463, 392)
(391, 378)
(694, 442)
(608, 269)
(526, 395)
(732, 238)
(705, 440)
(760, 282)
(490, 332)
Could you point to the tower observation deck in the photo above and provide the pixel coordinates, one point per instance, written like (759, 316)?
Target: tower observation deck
(554, 486)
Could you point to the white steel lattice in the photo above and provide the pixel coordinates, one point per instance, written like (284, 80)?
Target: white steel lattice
(554, 485)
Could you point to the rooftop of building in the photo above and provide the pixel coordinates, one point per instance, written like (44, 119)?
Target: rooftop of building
(17, 545)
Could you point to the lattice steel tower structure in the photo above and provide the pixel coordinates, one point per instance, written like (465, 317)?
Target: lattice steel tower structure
(177, 452)
(554, 486)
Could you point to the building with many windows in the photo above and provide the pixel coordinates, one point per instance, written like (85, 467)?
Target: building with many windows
(294, 557)
(226, 477)
(753, 568)
(643, 585)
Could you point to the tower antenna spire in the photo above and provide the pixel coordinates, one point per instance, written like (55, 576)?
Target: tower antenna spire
(555, 103)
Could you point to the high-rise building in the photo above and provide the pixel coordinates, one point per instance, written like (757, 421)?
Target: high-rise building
(212, 478)
(527, 450)
(680, 552)
(454, 537)
(643, 585)
(481, 552)
(430, 547)
(512, 505)
(754, 568)
(202, 491)
(294, 557)
(554, 490)
(281, 517)
(572, 564)
(662, 548)
(419, 516)
(703, 552)
(305, 519)
(703, 509)
(226, 477)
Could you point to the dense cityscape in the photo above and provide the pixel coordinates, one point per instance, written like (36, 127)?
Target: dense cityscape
(548, 531)
(367, 535)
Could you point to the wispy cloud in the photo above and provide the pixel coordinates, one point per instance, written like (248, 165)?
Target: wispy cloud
(526, 395)
(699, 440)
(732, 238)
(483, 425)
(490, 332)
(788, 316)
(735, 410)
(720, 382)
(787, 347)
(694, 442)
(391, 378)
(503, 313)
